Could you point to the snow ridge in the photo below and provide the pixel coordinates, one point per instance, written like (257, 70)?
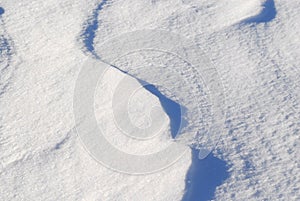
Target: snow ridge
(92, 24)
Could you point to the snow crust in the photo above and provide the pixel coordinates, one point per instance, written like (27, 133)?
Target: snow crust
(43, 50)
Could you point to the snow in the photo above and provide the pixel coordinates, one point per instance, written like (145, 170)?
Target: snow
(243, 115)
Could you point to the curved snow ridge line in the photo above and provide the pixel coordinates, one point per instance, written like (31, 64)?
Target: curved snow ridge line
(185, 73)
(267, 14)
(192, 83)
(91, 26)
(188, 83)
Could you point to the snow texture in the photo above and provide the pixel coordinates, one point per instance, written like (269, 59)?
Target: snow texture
(254, 46)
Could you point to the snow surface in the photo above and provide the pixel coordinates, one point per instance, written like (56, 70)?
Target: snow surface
(254, 46)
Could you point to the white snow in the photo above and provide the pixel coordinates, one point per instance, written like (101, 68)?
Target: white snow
(43, 51)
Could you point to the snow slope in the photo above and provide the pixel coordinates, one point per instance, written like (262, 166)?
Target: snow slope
(254, 46)
(42, 157)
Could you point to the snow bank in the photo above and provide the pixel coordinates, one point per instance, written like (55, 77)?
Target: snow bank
(43, 49)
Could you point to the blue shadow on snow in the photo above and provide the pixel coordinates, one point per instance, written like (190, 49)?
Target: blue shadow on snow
(172, 109)
(203, 177)
(90, 31)
(267, 14)
(1, 11)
